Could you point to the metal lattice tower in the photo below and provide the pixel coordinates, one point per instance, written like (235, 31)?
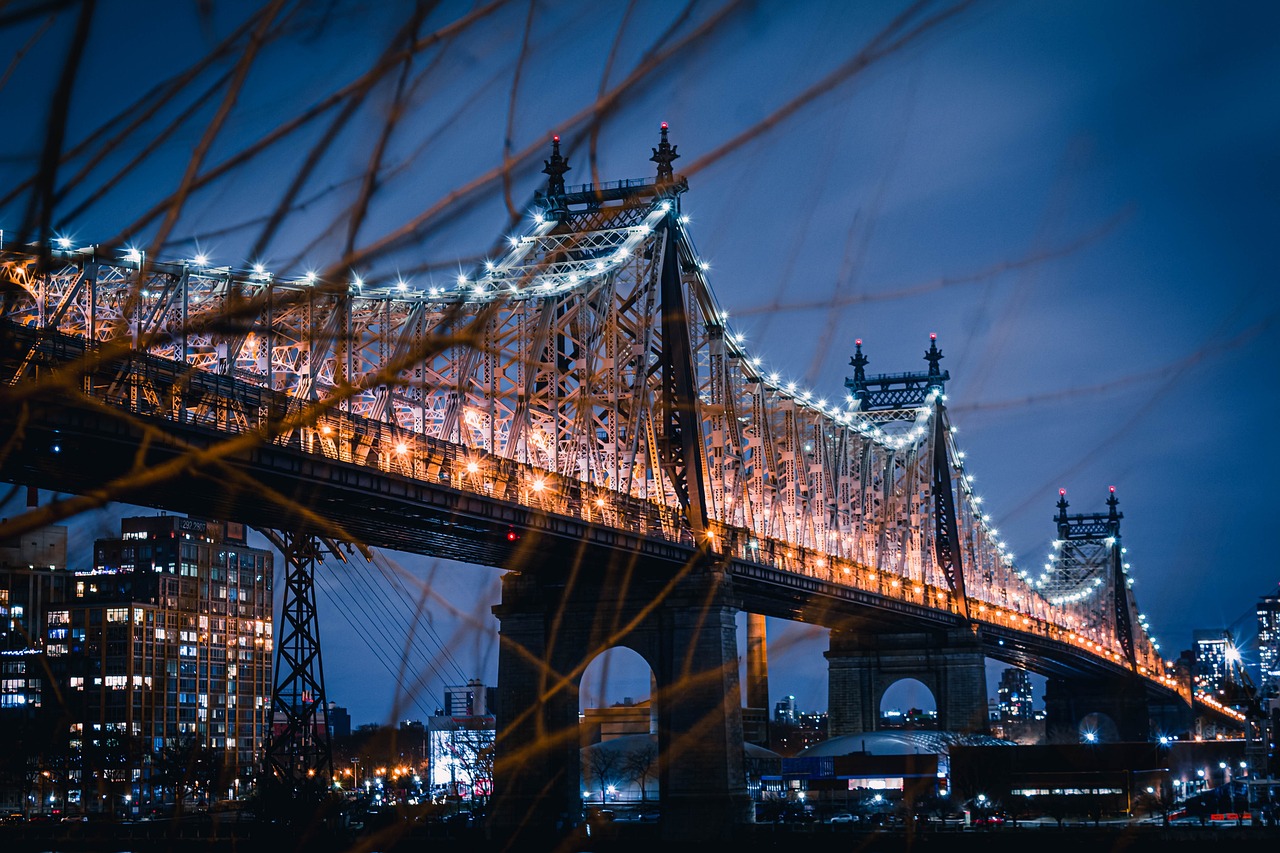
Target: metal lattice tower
(299, 752)
(1088, 568)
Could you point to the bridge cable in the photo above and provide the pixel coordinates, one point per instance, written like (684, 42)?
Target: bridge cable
(397, 579)
(413, 618)
(366, 628)
(383, 607)
(361, 630)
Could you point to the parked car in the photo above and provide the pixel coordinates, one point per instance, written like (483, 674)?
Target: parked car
(992, 819)
(843, 817)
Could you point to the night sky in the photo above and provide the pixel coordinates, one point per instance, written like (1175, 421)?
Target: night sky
(1079, 198)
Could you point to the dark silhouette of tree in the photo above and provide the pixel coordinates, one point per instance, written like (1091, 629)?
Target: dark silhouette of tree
(601, 767)
(639, 766)
(188, 768)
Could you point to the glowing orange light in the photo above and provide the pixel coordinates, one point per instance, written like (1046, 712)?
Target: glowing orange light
(472, 467)
(401, 447)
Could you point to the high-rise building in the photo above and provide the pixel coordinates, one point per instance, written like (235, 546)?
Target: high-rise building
(170, 649)
(33, 579)
(784, 710)
(1269, 645)
(1015, 696)
(1212, 665)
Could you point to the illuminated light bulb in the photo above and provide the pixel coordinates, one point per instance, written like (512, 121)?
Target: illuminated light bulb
(311, 276)
(462, 279)
(472, 467)
(132, 254)
(514, 241)
(537, 217)
(488, 265)
(358, 282)
(600, 503)
(64, 242)
(685, 219)
(704, 266)
(538, 485)
(402, 286)
(666, 205)
(201, 260)
(401, 447)
(326, 429)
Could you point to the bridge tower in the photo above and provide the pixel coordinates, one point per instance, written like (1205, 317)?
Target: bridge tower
(1090, 564)
(678, 612)
(865, 659)
(299, 753)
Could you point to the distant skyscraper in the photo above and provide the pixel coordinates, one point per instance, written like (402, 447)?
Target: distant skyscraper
(1211, 667)
(784, 710)
(1269, 644)
(171, 644)
(33, 579)
(1015, 696)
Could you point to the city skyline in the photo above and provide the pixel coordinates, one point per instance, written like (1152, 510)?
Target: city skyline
(1086, 230)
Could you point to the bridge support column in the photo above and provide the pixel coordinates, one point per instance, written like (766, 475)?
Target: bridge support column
(1120, 703)
(702, 762)
(298, 754)
(537, 770)
(861, 666)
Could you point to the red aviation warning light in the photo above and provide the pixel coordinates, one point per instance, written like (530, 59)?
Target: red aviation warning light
(512, 535)
(1062, 493)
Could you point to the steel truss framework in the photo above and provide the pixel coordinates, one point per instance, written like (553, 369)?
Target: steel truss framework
(299, 751)
(590, 371)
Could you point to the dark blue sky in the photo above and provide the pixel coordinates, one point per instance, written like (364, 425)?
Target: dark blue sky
(1079, 198)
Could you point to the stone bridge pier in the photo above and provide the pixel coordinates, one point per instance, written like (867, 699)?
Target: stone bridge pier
(862, 665)
(551, 625)
(1121, 706)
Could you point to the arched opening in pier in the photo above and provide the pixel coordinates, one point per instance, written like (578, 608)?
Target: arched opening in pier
(908, 703)
(617, 677)
(1098, 728)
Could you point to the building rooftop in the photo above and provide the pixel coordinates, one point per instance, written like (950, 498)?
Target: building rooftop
(898, 742)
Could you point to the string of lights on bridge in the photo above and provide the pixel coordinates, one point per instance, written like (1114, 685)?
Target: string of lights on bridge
(487, 282)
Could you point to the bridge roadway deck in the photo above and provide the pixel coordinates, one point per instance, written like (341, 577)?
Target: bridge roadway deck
(281, 486)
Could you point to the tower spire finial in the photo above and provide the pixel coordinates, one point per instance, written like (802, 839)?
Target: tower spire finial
(1063, 524)
(1112, 503)
(933, 356)
(859, 362)
(663, 155)
(555, 168)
